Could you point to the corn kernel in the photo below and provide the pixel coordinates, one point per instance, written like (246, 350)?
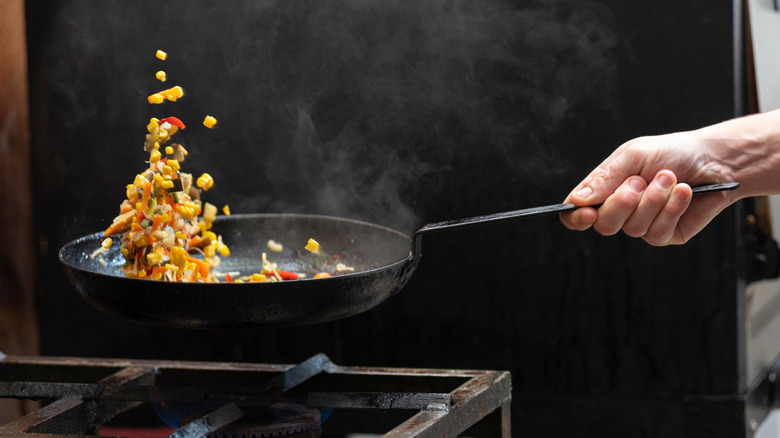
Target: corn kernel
(226, 210)
(161, 76)
(180, 234)
(209, 122)
(257, 277)
(141, 274)
(156, 276)
(125, 252)
(205, 181)
(188, 212)
(153, 124)
(153, 258)
(209, 251)
(154, 156)
(167, 170)
(178, 256)
(107, 243)
(161, 55)
(156, 98)
(169, 150)
(223, 249)
(167, 184)
(174, 165)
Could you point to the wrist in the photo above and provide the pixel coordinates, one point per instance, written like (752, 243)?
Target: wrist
(747, 150)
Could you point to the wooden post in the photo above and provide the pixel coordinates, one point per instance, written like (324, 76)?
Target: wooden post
(18, 321)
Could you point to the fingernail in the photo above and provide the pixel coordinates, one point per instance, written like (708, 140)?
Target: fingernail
(636, 185)
(584, 192)
(664, 181)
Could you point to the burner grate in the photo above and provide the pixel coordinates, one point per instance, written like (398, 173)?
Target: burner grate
(86, 393)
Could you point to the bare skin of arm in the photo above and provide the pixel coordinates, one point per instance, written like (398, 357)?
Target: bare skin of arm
(645, 184)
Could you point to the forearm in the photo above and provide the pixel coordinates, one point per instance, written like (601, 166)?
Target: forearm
(747, 150)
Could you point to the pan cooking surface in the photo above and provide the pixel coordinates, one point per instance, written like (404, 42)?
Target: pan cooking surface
(381, 257)
(356, 244)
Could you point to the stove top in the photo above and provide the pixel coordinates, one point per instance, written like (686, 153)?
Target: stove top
(315, 398)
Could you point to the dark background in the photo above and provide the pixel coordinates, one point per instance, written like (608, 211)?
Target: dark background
(405, 113)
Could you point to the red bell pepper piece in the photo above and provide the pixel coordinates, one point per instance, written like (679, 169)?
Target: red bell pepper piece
(172, 121)
(286, 275)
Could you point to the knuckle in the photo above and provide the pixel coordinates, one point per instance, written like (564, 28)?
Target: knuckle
(657, 237)
(605, 230)
(634, 230)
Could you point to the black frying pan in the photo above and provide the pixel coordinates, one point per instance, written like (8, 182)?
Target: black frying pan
(384, 260)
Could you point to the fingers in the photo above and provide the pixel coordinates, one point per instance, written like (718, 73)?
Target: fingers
(657, 215)
(650, 211)
(653, 201)
(620, 206)
(605, 179)
(580, 219)
(665, 230)
(611, 216)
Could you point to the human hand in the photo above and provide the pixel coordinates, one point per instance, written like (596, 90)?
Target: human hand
(641, 194)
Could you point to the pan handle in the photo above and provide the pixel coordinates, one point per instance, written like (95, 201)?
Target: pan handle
(541, 211)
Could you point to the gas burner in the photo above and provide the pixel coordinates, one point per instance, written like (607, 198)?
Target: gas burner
(277, 420)
(226, 399)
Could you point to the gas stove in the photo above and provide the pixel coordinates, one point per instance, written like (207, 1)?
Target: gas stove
(315, 398)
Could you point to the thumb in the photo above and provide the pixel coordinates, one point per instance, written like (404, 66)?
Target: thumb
(604, 180)
(595, 189)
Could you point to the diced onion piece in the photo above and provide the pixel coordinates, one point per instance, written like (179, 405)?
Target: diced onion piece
(312, 246)
(209, 122)
(167, 237)
(161, 55)
(275, 246)
(341, 267)
(209, 212)
(180, 153)
(98, 252)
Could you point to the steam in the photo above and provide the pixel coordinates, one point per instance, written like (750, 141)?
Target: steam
(341, 107)
(391, 93)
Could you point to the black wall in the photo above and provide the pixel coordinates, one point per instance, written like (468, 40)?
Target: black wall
(405, 113)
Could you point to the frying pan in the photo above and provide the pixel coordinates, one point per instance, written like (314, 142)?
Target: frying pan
(384, 260)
